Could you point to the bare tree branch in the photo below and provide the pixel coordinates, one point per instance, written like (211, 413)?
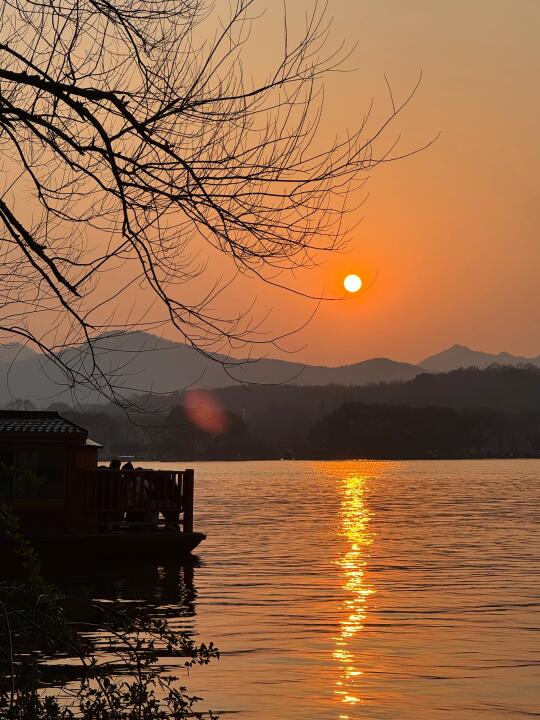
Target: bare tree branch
(131, 136)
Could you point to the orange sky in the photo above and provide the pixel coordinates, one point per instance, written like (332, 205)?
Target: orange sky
(448, 245)
(450, 235)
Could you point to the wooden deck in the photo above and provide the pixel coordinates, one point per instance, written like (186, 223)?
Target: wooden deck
(114, 514)
(63, 499)
(129, 501)
(111, 515)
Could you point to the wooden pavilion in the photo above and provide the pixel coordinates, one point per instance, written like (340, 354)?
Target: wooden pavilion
(49, 474)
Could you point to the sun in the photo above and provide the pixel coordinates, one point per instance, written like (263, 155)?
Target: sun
(352, 283)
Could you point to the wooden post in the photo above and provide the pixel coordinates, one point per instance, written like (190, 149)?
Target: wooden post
(187, 492)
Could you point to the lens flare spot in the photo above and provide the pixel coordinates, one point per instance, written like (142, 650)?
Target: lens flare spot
(206, 412)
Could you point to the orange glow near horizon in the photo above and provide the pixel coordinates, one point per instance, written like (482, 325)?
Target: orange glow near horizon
(355, 518)
(439, 238)
(433, 228)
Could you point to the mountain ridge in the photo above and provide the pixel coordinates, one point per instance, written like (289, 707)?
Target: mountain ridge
(143, 363)
(461, 356)
(140, 362)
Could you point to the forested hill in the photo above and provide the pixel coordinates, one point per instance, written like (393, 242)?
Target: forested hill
(501, 388)
(496, 410)
(356, 430)
(283, 414)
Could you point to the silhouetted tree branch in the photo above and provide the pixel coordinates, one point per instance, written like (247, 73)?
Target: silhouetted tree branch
(131, 135)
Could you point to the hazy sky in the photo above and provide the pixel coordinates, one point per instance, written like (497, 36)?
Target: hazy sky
(448, 244)
(450, 236)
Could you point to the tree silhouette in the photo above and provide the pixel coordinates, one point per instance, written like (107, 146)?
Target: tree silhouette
(130, 136)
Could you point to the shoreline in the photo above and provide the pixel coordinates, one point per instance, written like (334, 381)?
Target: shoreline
(184, 461)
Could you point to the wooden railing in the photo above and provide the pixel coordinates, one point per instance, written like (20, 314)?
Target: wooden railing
(112, 500)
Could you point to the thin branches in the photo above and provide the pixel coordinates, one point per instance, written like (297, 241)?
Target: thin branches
(131, 135)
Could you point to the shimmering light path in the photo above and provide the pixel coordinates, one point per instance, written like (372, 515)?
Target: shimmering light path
(369, 590)
(354, 527)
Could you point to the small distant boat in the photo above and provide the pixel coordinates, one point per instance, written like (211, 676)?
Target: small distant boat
(288, 455)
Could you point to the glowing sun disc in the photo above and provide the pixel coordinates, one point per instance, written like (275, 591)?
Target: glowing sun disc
(352, 283)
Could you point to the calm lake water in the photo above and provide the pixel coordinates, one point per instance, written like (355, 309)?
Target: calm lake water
(362, 589)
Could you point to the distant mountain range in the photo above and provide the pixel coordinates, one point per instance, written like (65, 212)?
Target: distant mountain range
(15, 352)
(140, 362)
(460, 356)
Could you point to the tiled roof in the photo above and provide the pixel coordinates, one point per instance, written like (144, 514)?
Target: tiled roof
(39, 423)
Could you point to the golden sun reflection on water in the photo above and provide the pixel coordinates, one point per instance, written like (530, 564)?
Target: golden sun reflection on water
(355, 518)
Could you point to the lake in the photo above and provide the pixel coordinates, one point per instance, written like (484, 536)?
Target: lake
(362, 589)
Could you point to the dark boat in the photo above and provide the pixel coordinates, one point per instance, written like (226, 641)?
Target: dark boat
(66, 504)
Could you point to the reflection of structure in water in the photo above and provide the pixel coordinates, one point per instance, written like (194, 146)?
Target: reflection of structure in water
(165, 590)
(159, 592)
(355, 518)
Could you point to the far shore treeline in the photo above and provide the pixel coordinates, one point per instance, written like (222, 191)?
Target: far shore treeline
(465, 413)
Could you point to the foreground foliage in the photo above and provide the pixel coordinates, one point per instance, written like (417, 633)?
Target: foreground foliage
(129, 680)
